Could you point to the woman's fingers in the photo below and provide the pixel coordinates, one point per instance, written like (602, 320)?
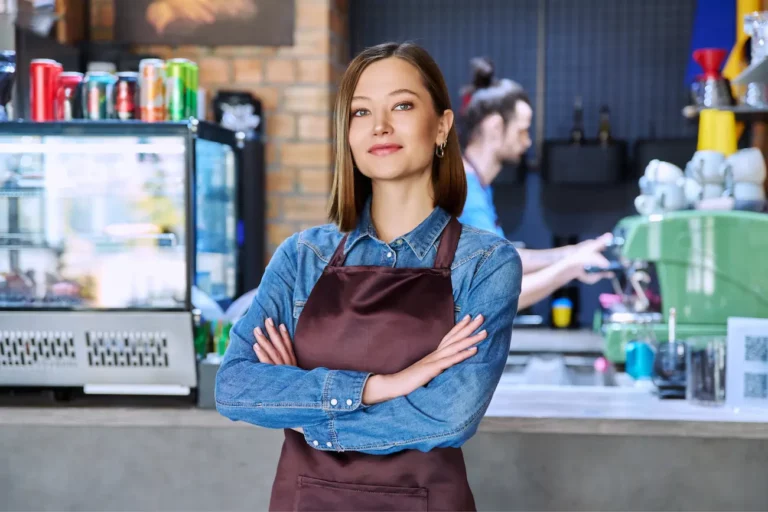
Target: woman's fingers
(465, 329)
(455, 359)
(266, 346)
(457, 346)
(288, 344)
(459, 325)
(277, 342)
(263, 357)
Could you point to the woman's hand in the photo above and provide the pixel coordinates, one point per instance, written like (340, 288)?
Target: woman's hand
(278, 352)
(275, 347)
(455, 347)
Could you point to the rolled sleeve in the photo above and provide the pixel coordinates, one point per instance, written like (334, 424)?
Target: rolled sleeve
(344, 390)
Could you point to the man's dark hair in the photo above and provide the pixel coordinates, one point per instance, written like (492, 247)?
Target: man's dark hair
(488, 97)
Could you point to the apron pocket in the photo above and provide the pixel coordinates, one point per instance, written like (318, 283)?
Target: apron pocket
(315, 495)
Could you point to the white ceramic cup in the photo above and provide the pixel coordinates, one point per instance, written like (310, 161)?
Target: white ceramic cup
(670, 196)
(745, 191)
(746, 165)
(658, 171)
(712, 190)
(646, 204)
(694, 191)
(706, 167)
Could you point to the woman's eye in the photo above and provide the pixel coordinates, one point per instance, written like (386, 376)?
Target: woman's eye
(359, 112)
(404, 106)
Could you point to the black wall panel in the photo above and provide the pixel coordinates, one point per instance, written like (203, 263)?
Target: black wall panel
(629, 55)
(454, 31)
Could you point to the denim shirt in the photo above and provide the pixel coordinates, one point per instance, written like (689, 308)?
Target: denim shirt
(326, 403)
(479, 210)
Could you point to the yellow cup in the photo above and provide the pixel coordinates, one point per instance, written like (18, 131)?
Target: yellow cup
(717, 131)
(562, 311)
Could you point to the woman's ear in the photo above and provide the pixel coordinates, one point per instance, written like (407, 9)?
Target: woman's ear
(445, 122)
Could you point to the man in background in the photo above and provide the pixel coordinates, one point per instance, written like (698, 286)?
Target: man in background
(496, 119)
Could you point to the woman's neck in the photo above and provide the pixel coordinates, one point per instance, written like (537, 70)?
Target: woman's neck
(483, 161)
(397, 207)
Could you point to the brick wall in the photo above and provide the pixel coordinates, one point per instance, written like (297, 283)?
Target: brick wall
(296, 86)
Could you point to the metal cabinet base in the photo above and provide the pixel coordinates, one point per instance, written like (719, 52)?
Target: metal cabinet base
(132, 353)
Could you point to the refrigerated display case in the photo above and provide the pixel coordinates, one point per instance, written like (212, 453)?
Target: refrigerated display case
(107, 230)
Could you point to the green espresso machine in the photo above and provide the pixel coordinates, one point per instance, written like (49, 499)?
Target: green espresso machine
(707, 265)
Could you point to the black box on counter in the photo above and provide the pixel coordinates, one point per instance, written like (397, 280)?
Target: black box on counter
(676, 151)
(565, 163)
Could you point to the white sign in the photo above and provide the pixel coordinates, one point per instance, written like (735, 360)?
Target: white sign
(746, 363)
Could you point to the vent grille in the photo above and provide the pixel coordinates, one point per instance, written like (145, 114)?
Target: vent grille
(135, 348)
(35, 348)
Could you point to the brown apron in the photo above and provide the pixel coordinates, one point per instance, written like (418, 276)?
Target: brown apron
(379, 320)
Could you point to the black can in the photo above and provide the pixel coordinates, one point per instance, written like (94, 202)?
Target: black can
(126, 96)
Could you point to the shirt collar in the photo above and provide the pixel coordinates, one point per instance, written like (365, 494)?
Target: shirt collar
(420, 239)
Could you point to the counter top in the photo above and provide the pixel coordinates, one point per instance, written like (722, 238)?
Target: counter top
(535, 339)
(514, 408)
(615, 411)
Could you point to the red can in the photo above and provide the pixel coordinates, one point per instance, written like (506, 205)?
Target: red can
(126, 91)
(44, 84)
(69, 96)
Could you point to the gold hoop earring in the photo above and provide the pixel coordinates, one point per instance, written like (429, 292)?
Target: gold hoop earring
(440, 150)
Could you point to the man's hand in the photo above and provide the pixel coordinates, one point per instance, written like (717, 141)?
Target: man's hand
(589, 254)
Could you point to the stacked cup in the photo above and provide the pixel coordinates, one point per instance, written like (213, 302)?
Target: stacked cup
(744, 175)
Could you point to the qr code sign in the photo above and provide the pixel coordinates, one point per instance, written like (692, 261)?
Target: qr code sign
(756, 348)
(756, 385)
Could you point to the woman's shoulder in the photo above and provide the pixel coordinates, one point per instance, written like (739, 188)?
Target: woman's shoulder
(320, 240)
(481, 245)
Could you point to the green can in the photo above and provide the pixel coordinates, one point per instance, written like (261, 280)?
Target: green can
(176, 71)
(193, 74)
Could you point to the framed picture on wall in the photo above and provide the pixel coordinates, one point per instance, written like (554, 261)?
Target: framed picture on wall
(205, 22)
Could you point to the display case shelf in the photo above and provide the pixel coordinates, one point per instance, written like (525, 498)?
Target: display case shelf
(21, 192)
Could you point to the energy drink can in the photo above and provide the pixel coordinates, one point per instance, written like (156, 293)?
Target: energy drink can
(193, 74)
(126, 90)
(69, 96)
(97, 96)
(177, 72)
(152, 90)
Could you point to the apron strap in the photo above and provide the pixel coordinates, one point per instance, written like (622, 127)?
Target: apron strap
(449, 240)
(338, 255)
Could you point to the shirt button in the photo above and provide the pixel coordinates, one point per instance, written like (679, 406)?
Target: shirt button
(315, 443)
(349, 402)
(328, 444)
(334, 401)
(389, 255)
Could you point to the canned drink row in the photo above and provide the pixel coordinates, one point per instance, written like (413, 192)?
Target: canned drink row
(160, 91)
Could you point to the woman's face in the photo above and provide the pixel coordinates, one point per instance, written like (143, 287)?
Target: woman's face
(393, 127)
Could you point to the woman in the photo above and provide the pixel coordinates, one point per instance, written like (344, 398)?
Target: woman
(496, 118)
(369, 350)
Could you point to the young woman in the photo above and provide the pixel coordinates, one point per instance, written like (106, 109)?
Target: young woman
(496, 117)
(377, 342)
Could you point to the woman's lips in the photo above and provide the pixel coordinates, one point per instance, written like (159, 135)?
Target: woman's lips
(384, 149)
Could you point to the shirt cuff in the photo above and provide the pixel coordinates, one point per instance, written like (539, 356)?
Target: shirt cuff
(344, 390)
